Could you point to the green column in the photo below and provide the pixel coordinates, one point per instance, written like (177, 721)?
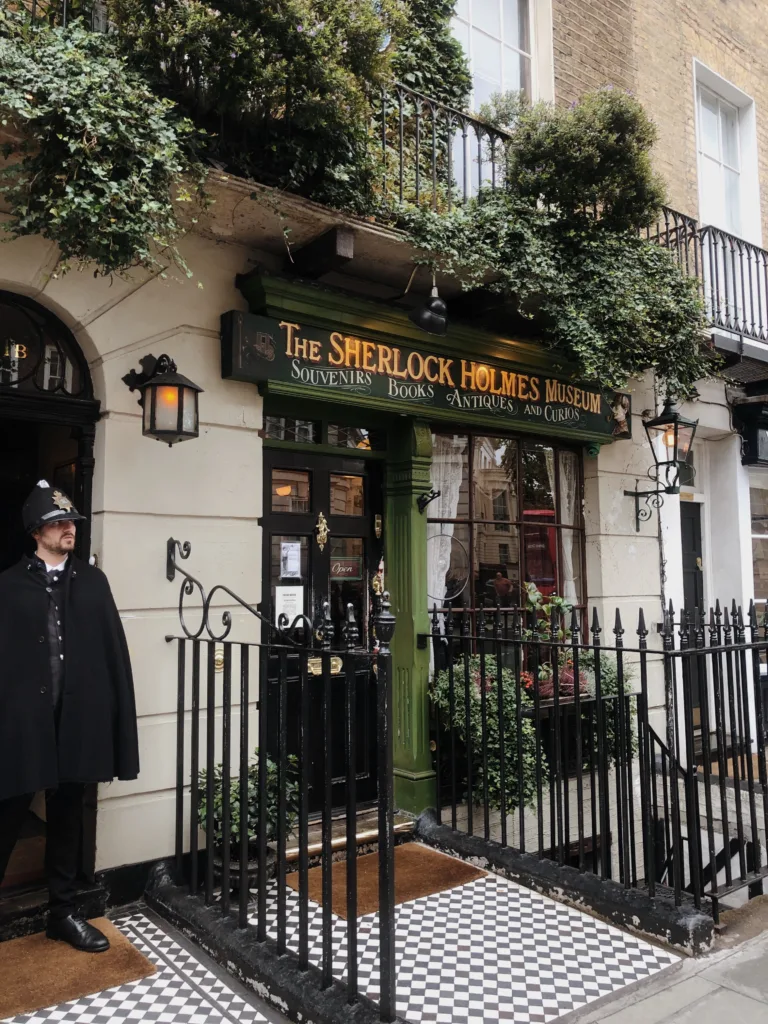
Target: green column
(406, 579)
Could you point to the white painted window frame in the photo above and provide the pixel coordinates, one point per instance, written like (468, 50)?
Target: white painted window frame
(749, 183)
(541, 52)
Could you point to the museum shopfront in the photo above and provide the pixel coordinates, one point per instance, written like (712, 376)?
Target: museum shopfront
(446, 470)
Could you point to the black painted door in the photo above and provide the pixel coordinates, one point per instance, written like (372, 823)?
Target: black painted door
(693, 581)
(321, 517)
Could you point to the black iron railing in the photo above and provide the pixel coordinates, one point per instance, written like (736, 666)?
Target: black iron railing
(250, 805)
(732, 273)
(433, 155)
(561, 757)
(62, 12)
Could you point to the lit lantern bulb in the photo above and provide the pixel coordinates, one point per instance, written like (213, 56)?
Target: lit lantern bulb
(168, 396)
(669, 437)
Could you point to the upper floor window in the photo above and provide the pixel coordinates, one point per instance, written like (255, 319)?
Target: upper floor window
(726, 143)
(719, 162)
(498, 40)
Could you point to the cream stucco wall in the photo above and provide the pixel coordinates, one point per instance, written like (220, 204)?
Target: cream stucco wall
(207, 491)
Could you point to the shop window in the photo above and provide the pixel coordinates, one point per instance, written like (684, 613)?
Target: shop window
(285, 428)
(347, 495)
(519, 522)
(290, 490)
(356, 437)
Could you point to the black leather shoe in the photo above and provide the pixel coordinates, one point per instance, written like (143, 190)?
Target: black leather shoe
(77, 933)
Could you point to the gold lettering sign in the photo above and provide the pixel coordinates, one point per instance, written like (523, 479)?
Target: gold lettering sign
(332, 363)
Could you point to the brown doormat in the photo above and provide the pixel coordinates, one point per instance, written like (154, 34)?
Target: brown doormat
(419, 871)
(36, 972)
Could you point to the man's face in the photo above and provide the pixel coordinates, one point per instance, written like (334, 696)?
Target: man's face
(56, 538)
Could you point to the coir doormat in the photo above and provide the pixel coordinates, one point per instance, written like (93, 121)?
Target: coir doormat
(36, 972)
(419, 871)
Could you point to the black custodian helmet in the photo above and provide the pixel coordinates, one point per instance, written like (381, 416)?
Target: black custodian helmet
(45, 505)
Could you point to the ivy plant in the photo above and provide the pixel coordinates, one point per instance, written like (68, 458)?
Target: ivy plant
(282, 89)
(96, 161)
(251, 819)
(561, 239)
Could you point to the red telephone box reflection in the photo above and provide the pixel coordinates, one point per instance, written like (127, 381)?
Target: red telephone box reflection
(540, 543)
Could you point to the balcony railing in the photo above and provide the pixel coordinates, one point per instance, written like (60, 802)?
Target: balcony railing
(732, 273)
(432, 155)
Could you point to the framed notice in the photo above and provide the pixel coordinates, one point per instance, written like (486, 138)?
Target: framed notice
(289, 601)
(290, 560)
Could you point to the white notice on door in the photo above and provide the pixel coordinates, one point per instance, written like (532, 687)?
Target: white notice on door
(290, 560)
(289, 601)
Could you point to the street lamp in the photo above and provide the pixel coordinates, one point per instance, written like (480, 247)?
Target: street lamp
(168, 400)
(670, 436)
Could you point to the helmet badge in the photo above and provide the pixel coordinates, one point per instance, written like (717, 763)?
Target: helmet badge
(62, 501)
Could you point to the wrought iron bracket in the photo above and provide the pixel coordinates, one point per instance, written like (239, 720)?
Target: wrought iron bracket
(150, 367)
(651, 500)
(424, 499)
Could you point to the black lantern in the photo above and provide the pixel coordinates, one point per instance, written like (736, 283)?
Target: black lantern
(432, 317)
(168, 400)
(671, 438)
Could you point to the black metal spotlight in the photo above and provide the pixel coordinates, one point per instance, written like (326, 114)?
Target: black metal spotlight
(432, 317)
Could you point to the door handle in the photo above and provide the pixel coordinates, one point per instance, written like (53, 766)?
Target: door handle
(322, 531)
(699, 566)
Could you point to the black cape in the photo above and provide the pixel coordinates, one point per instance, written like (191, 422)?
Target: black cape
(97, 737)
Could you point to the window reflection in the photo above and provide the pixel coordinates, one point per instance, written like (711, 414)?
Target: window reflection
(290, 490)
(347, 495)
(519, 522)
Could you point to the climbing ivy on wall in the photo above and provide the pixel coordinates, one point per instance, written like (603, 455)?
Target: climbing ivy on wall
(562, 241)
(95, 161)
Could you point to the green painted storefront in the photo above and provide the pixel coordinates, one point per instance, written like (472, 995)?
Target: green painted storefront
(324, 357)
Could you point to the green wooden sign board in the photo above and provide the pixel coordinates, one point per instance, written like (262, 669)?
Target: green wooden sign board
(408, 379)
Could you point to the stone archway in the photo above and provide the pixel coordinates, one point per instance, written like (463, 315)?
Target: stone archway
(45, 388)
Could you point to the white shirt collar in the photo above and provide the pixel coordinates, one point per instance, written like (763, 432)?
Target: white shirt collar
(56, 568)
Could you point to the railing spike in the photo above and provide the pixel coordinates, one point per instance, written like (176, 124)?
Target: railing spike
(449, 621)
(752, 615)
(642, 629)
(435, 620)
(618, 629)
(351, 631)
(596, 628)
(574, 623)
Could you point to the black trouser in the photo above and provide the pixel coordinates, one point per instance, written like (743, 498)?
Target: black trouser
(64, 811)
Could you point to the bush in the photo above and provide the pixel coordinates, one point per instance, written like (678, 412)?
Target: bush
(560, 241)
(489, 745)
(291, 798)
(98, 153)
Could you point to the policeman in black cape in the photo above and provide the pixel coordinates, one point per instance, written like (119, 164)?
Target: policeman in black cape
(67, 707)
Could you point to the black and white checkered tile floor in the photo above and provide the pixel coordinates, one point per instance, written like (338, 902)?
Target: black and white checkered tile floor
(487, 951)
(183, 991)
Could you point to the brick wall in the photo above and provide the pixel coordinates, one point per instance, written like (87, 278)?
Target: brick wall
(648, 47)
(592, 46)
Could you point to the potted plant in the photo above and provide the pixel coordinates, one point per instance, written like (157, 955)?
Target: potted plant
(252, 813)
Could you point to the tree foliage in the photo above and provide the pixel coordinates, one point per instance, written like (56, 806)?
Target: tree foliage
(94, 154)
(562, 240)
(282, 89)
(428, 59)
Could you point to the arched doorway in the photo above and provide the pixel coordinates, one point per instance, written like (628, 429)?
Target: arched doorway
(47, 425)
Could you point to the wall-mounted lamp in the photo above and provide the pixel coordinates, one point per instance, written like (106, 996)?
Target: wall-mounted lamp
(168, 399)
(670, 436)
